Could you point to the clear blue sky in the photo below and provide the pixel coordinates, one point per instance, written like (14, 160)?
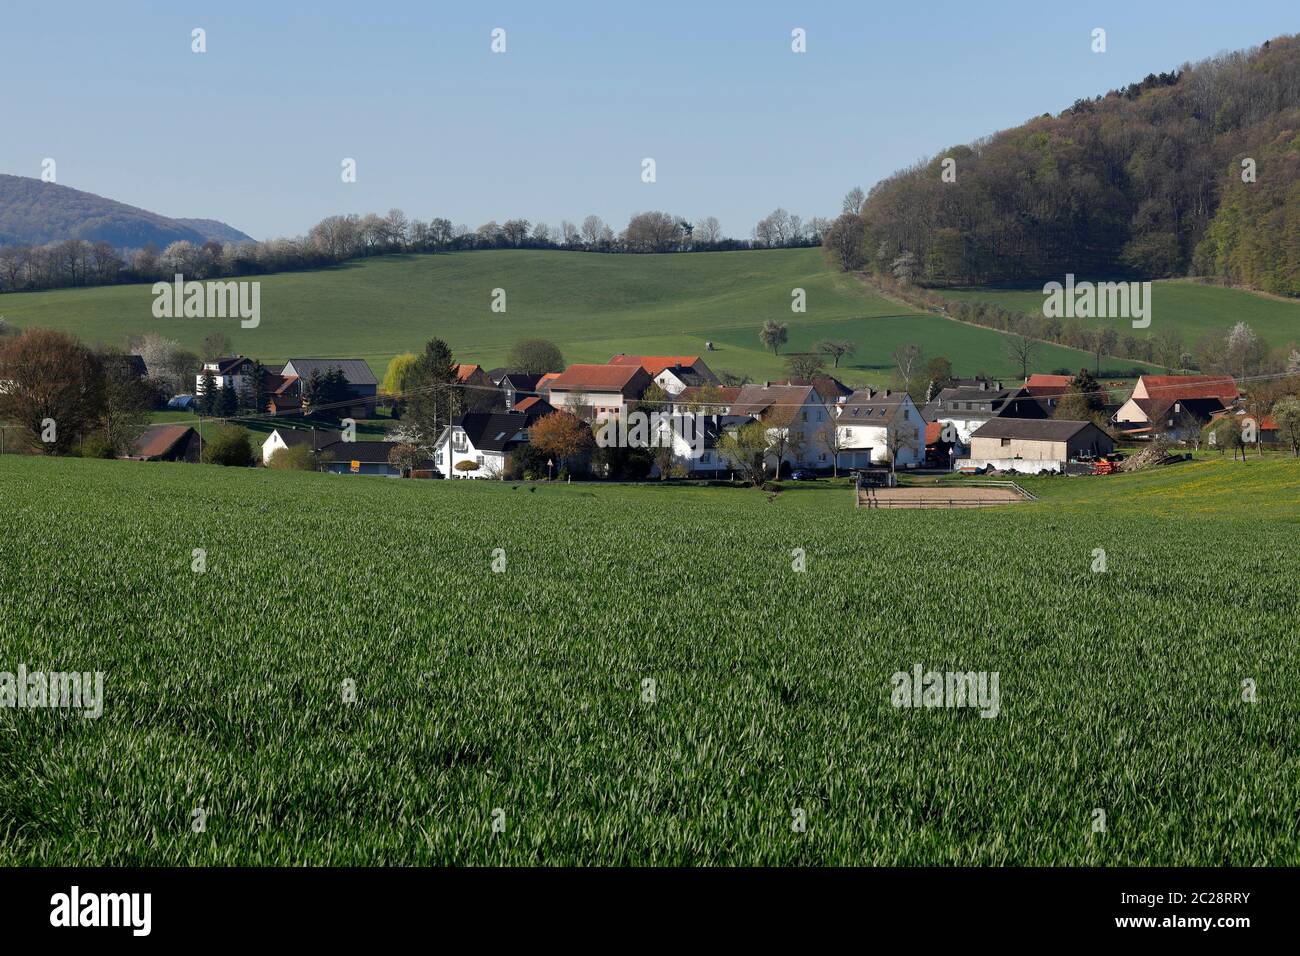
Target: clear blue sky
(253, 131)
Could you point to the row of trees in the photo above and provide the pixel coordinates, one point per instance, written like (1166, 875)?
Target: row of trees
(342, 238)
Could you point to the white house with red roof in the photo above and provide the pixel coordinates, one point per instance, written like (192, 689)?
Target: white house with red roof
(597, 391)
(1153, 395)
(673, 373)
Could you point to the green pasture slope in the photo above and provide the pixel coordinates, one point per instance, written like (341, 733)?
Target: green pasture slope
(1195, 308)
(522, 691)
(593, 306)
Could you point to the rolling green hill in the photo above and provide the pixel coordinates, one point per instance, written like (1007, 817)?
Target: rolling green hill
(593, 306)
(1196, 309)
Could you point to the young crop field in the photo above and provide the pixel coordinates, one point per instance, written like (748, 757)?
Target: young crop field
(593, 306)
(344, 678)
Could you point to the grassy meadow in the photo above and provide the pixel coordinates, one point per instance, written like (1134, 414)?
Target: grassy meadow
(1196, 309)
(593, 306)
(519, 695)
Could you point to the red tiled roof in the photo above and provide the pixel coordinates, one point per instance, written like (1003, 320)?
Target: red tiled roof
(1171, 387)
(524, 404)
(932, 432)
(600, 378)
(465, 372)
(1038, 385)
(654, 364)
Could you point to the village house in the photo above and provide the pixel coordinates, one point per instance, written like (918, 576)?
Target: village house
(472, 375)
(966, 407)
(673, 373)
(795, 416)
(874, 425)
(1179, 419)
(1034, 446)
(237, 371)
(484, 439)
(597, 391)
(362, 386)
(1047, 390)
(1154, 395)
(284, 437)
(709, 399)
(518, 386)
(830, 388)
(359, 458)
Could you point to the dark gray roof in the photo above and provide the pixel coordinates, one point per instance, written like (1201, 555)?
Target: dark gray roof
(1031, 429)
(229, 365)
(493, 431)
(1009, 402)
(303, 436)
(369, 452)
(520, 381)
(867, 404)
(356, 371)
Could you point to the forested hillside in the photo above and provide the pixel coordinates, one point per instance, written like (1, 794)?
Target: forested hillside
(33, 212)
(1150, 180)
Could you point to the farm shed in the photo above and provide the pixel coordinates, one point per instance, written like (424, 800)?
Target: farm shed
(1034, 445)
(166, 443)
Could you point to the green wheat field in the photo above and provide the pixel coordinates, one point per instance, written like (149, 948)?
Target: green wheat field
(518, 697)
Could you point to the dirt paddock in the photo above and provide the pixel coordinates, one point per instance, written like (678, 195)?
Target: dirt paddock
(937, 496)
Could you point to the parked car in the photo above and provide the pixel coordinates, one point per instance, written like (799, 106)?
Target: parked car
(802, 476)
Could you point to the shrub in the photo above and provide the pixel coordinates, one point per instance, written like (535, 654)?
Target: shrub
(98, 446)
(228, 446)
(295, 458)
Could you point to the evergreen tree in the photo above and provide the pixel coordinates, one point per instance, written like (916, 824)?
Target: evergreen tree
(228, 402)
(209, 394)
(253, 399)
(433, 402)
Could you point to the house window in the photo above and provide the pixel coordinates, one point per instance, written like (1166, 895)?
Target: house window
(805, 416)
(479, 459)
(459, 442)
(1006, 442)
(848, 433)
(907, 415)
